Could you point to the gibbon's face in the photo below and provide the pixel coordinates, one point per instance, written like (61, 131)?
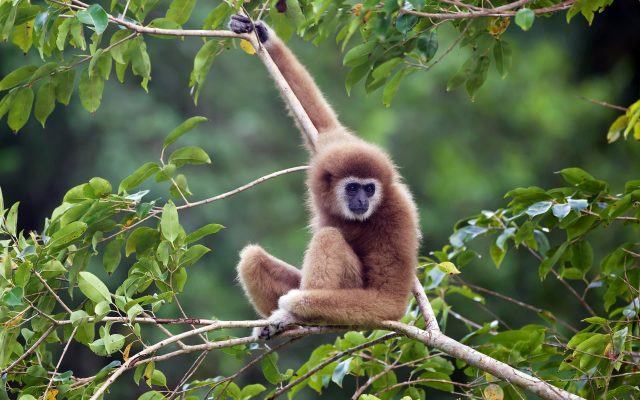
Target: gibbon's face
(350, 179)
(357, 198)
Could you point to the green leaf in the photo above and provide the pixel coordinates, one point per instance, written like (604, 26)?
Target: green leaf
(269, 365)
(461, 75)
(497, 254)
(206, 230)
(189, 155)
(92, 287)
(178, 279)
(20, 108)
(152, 395)
(22, 36)
(68, 234)
(502, 55)
(44, 70)
(217, 16)
(13, 297)
(405, 22)
(45, 102)
(163, 23)
(102, 308)
(53, 268)
(183, 128)
(140, 62)
(94, 16)
(63, 33)
(180, 10)
(391, 88)
(384, 70)
(251, 391)
(134, 311)
(100, 64)
(169, 223)
(524, 18)
(78, 35)
(139, 176)
(64, 82)
(549, 263)
(427, 44)
(141, 240)
(201, 66)
(119, 52)
(112, 255)
(157, 378)
(582, 255)
(90, 91)
(107, 345)
(16, 77)
(5, 103)
(478, 75)
(8, 24)
(77, 317)
(359, 55)
(192, 255)
(11, 221)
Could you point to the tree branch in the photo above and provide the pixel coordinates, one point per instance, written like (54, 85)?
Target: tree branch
(502, 11)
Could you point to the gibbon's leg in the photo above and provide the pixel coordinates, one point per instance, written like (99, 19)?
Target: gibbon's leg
(265, 279)
(296, 75)
(330, 263)
(343, 306)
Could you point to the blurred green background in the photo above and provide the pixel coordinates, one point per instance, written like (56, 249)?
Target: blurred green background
(457, 156)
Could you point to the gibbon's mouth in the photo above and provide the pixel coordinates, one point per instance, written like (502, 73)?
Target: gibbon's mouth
(358, 210)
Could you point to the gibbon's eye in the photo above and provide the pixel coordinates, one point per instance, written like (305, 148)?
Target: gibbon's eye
(370, 189)
(352, 187)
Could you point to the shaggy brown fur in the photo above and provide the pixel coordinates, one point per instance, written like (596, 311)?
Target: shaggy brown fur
(354, 271)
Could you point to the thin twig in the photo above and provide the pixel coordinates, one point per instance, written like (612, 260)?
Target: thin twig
(55, 370)
(53, 292)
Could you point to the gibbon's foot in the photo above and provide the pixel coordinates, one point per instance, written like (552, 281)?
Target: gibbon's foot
(278, 322)
(242, 24)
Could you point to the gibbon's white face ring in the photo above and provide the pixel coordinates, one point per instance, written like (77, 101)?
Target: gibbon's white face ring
(342, 199)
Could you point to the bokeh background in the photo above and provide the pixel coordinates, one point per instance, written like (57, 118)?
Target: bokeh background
(458, 156)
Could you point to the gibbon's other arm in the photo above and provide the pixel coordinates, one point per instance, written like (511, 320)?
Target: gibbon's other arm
(296, 75)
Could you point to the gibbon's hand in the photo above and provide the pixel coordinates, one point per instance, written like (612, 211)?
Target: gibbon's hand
(241, 24)
(278, 322)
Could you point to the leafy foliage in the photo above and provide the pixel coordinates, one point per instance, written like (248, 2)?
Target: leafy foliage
(388, 41)
(53, 294)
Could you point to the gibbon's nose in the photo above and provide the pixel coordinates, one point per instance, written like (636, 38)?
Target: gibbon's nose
(359, 204)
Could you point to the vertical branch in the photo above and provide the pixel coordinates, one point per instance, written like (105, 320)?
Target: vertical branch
(425, 306)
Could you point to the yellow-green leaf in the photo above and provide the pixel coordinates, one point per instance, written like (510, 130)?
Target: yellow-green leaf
(449, 268)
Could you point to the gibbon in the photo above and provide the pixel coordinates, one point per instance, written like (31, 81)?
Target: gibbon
(360, 263)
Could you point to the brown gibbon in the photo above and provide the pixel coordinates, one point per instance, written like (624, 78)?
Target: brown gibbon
(360, 264)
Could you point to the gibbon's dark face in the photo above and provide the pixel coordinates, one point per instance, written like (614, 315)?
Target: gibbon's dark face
(357, 197)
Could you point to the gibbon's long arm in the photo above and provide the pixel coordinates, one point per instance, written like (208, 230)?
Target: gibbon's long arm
(296, 75)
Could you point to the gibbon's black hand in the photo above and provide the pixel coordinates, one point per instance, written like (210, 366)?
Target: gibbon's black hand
(242, 24)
